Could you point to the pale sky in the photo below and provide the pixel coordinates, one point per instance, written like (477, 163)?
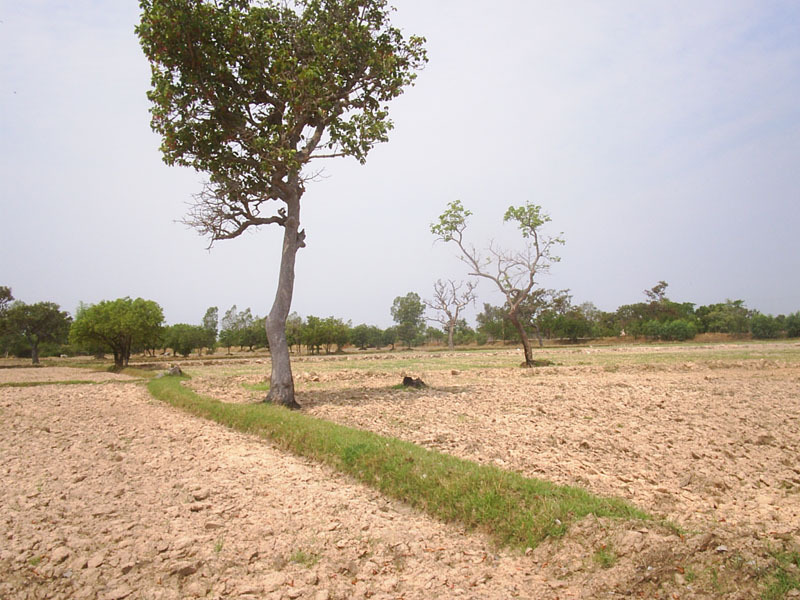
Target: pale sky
(662, 138)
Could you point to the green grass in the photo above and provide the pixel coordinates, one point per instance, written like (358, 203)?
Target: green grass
(785, 577)
(514, 510)
(301, 557)
(256, 387)
(605, 556)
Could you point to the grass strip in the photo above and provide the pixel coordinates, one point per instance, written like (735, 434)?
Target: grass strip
(515, 510)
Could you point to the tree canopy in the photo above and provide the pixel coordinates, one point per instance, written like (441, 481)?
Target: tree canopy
(118, 326)
(407, 312)
(37, 323)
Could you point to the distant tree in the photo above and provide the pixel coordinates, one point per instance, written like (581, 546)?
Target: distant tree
(360, 336)
(541, 309)
(253, 332)
(37, 323)
(294, 330)
(229, 334)
(657, 292)
(731, 316)
(572, 325)
(210, 326)
(183, 338)
(463, 334)
(5, 298)
(514, 273)
(449, 299)
(5, 336)
(793, 325)
(764, 327)
(495, 324)
(339, 332)
(118, 325)
(407, 311)
(251, 91)
(389, 337)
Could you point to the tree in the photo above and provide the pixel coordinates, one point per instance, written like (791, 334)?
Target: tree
(495, 324)
(732, 316)
(37, 323)
(118, 326)
(389, 337)
(183, 338)
(251, 92)
(229, 333)
(5, 336)
(407, 312)
(449, 299)
(764, 327)
(294, 331)
(5, 298)
(793, 325)
(514, 273)
(210, 325)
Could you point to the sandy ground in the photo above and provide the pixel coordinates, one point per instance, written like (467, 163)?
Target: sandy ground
(110, 494)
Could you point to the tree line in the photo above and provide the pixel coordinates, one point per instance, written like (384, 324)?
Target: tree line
(128, 326)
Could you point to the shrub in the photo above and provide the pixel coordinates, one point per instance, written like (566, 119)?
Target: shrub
(679, 330)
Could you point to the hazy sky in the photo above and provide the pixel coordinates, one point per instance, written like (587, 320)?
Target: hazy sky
(663, 138)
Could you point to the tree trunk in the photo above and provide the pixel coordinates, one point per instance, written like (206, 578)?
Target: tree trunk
(281, 388)
(526, 345)
(35, 353)
(450, 328)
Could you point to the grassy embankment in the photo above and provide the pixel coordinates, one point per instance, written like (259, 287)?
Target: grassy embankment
(514, 510)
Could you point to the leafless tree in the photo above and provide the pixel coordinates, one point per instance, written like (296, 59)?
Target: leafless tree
(449, 299)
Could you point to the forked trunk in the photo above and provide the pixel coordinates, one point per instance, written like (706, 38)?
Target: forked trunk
(526, 344)
(281, 388)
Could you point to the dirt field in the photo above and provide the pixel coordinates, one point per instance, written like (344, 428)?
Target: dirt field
(110, 494)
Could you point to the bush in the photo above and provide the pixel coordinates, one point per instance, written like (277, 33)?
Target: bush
(678, 330)
(764, 327)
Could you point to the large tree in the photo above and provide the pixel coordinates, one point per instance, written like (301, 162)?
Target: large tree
(119, 326)
(514, 273)
(37, 323)
(251, 92)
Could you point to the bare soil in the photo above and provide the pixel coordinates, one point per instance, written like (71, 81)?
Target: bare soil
(109, 494)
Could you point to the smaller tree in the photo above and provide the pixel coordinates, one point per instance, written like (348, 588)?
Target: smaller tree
(118, 325)
(210, 326)
(407, 312)
(37, 323)
(389, 337)
(184, 338)
(229, 333)
(514, 273)
(449, 299)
